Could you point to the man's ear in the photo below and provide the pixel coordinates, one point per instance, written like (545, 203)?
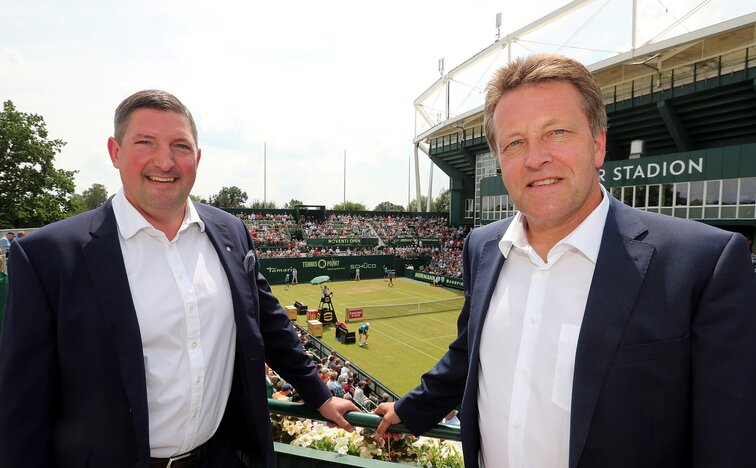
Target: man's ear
(113, 150)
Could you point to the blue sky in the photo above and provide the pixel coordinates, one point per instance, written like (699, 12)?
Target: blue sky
(309, 79)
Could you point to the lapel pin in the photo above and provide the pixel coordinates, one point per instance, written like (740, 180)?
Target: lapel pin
(228, 248)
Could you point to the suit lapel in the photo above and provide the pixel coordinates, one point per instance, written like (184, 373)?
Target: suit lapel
(621, 265)
(104, 260)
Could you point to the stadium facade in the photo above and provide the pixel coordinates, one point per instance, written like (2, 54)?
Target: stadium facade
(681, 138)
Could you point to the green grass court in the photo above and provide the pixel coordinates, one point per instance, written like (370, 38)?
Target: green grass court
(401, 349)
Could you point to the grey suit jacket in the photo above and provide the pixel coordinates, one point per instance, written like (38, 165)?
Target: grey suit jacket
(665, 367)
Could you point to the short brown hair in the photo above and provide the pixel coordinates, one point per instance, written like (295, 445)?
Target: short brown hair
(540, 68)
(149, 99)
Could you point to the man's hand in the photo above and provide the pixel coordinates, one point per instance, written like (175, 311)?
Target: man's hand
(389, 418)
(334, 410)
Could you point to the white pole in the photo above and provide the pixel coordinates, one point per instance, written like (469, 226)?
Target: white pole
(265, 174)
(344, 178)
(430, 189)
(418, 202)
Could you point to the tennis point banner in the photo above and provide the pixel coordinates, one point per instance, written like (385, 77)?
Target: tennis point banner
(427, 277)
(338, 268)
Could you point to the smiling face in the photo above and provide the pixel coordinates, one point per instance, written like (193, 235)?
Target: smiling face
(157, 158)
(549, 159)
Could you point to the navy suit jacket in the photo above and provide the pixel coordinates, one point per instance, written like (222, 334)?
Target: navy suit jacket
(665, 367)
(72, 380)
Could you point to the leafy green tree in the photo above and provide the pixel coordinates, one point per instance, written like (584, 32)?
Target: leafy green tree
(32, 191)
(229, 197)
(260, 205)
(349, 206)
(197, 198)
(90, 199)
(423, 202)
(293, 203)
(441, 203)
(388, 206)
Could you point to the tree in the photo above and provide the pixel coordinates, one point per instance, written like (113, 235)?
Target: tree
(263, 205)
(198, 198)
(293, 203)
(413, 203)
(388, 206)
(32, 191)
(441, 203)
(229, 197)
(90, 199)
(349, 206)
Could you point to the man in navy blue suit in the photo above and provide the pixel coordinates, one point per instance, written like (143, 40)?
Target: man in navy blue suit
(137, 334)
(592, 334)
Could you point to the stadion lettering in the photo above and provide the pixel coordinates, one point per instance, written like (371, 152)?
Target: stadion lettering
(456, 283)
(633, 174)
(338, 268)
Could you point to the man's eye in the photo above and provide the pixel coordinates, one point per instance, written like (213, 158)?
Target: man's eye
(143, 142)
(559, 131)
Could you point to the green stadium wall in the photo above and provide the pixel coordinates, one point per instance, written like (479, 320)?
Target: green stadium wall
(338, 268)
(426, 277)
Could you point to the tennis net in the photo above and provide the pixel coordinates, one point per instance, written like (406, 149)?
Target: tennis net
(375, 312)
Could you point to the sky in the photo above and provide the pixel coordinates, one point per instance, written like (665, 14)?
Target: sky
(308, 81)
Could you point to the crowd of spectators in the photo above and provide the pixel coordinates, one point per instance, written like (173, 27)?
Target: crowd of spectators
(426, 238)
(340, 378)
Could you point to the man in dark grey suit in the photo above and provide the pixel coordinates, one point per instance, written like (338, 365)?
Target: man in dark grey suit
(592, 334)
(137, 334)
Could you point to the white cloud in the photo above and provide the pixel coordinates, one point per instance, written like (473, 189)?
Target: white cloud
(311, 79)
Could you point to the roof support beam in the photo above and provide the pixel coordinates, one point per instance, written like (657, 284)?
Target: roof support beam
(676, 128)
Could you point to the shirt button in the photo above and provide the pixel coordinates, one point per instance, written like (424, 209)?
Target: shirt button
(524, 371)
(533, 320)
(516, 425)
(181, 277)
(194, 344)
(191, 308)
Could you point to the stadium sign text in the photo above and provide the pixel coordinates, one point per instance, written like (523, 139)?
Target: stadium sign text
(638, 171)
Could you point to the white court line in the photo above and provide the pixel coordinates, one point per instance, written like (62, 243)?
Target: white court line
(411, 336)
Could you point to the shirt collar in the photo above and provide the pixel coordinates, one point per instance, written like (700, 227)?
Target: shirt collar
(586, 238)
(130, 221)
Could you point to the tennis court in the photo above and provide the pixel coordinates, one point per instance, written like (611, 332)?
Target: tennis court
(401, 349)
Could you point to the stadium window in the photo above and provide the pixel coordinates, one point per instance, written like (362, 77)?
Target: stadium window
(640, 196)
(712, 192)
(696, 193)
(667, 190)
(729, 191)
(627, 196)
(747, 191)
(616, 192)
(469, 208)
(653, 196)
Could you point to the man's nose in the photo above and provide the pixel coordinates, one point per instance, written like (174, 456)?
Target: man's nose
(164, 158)
(538, 153)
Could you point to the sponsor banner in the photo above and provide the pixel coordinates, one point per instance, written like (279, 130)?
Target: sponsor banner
(423, 241)
(338, 268)
(426, 277)
(354, 314)
(403, 241)
(347, 241)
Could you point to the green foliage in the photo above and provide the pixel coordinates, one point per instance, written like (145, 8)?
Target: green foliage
(90, 199)
(349, 206)
(293, 203)
(262, 205)
(229, 197)
(423, 202)
(388, 206)
(32, 191)
(441, 203)
(198, 199)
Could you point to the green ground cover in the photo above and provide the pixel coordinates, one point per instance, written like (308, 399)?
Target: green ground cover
(401, 349)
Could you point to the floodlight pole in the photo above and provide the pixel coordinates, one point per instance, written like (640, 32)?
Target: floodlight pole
(265, 174)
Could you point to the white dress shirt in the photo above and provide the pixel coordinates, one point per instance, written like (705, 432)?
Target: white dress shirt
(183, 303)
(528, 343)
